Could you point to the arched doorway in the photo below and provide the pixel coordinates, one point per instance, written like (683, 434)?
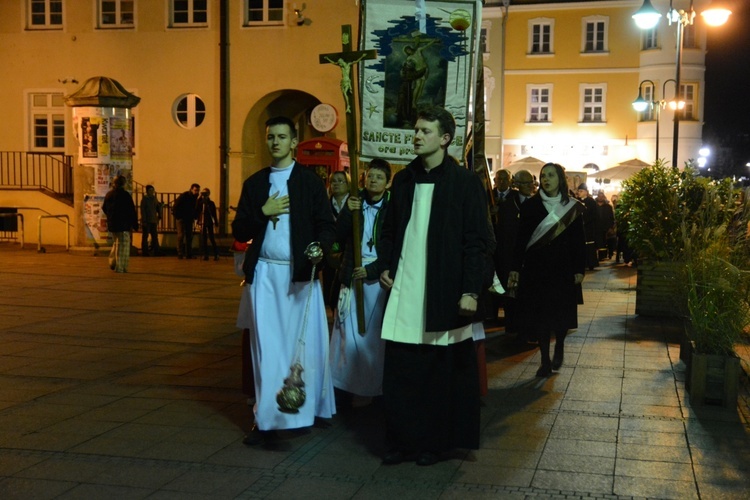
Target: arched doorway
(294, 104)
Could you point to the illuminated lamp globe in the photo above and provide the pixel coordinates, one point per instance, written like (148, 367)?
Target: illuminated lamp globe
(716, 16)
(460, 19)
(647, 16)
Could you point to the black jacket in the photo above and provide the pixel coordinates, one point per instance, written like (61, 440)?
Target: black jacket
(344, 232)
(309, 214)
(120, 211)
(456, 240)
(184, 207)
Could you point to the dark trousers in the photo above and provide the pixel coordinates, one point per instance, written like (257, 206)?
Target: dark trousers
(149, 229)
(207, 233)
(185, 237)
(544, 339)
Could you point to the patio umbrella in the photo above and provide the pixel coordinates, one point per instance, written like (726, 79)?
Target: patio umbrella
(528, 163)
(622, 170)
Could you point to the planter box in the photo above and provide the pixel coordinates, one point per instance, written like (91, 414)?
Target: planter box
(655, 290)
(713, 379)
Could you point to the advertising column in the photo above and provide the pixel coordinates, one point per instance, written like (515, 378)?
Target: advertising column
(104, 128)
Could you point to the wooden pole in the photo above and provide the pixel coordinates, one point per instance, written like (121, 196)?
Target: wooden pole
(346, 60)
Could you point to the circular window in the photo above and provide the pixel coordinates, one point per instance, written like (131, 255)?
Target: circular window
(189, 111)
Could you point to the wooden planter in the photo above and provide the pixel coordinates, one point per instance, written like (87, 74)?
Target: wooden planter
(656, 289)
(712, 379)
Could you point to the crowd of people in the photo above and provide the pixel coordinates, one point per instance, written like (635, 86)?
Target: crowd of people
(409, 264)
(191, 209)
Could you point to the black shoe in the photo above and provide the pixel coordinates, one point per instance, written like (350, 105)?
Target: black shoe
(428, 458)
(257, 437)
(216, 257)
(205, 257)
(544, 371)
(180, 257)
(557, 361)
(396, 456)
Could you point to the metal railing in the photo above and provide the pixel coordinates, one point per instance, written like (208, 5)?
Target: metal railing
(167, 221)
(49, 172)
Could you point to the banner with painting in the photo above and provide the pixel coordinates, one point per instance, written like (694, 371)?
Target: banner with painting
(425, 56)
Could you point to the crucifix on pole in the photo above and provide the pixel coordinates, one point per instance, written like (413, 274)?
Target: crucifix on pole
(346, 60)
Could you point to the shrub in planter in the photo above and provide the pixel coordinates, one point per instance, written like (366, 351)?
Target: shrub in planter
(715, 287)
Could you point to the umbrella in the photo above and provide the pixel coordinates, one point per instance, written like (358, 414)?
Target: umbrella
(622, 170)
(528, 163)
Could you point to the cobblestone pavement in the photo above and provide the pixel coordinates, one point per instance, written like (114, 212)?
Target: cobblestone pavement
(128, 386)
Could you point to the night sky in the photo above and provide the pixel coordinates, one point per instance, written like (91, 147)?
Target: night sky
(727, 106)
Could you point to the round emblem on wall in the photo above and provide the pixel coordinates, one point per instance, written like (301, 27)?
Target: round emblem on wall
(324, 117)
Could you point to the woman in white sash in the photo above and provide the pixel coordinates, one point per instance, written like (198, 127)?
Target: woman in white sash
(548, 265)
(357, 359)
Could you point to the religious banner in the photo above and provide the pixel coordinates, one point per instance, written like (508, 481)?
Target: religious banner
(425, 56)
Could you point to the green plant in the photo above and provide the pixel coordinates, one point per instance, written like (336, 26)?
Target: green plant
(652, 207)
(715, 281)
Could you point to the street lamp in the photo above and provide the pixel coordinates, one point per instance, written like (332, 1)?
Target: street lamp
(647, 17)
(641, 104)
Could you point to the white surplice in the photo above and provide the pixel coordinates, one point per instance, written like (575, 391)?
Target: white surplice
(404, 319)
(357, 360)
(273, 310)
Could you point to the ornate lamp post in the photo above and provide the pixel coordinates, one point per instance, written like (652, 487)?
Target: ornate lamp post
(641, 105)
(647, 17)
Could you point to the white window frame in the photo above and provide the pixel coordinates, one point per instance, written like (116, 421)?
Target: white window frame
(650, 40)
(541, 22)
(51, 112)
(484, 41)
(191, 12)
(191, 113)
(50, 19)
(595, 20)
(688, 93)
(649, 114)
(119, 14)
(534, 92)
(587, 108)
(690, 37)
(266, 12)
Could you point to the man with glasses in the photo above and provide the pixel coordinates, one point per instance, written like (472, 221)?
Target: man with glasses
(506, 231)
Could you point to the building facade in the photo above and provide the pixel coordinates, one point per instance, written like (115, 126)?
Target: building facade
(572, 71)
(210, 72)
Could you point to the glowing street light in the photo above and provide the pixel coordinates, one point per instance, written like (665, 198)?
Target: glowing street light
(647, 17)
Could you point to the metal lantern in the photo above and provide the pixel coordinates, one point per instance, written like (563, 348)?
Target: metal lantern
(292, 396)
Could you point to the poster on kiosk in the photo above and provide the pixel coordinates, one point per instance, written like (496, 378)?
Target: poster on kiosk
(105, 143)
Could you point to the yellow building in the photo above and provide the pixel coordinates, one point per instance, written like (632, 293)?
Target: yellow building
(210, 72)
(572, 70)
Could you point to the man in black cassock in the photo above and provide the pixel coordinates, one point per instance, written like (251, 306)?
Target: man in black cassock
(431, 255)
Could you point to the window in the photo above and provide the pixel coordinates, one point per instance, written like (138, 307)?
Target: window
(189, 111)
(649, 113)
(47, 121)
(687, 93)
(539, 103)
(484, 39)
(264, 12)
(595, 34)
(540, 36)
(116, 13)
(688, 37)
(650, 40)
(593, 103)
(45, 14)
(188, 13)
